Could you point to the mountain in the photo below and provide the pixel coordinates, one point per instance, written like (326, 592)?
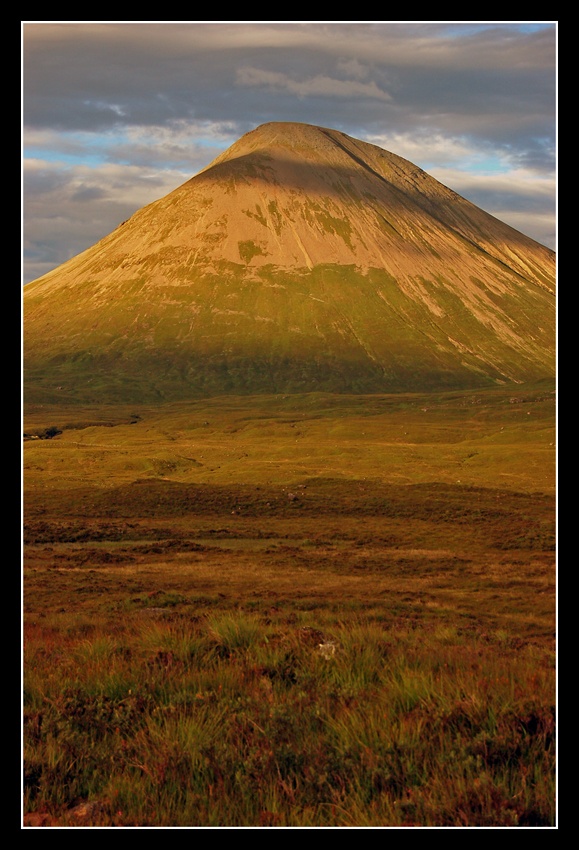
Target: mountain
(300, 259)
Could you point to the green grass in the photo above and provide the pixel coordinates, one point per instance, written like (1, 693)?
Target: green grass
(331, 328)
(501, 438)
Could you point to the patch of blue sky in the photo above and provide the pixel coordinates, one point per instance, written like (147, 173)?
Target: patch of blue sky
(489, 165)
(537, 27)
(64, 157)
(479, 165)
(458, 29)
(72, 148)
(210, 142)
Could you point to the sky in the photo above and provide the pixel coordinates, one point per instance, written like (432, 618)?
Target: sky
(118, 114)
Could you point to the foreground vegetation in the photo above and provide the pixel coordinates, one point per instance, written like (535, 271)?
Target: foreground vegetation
(215, 645)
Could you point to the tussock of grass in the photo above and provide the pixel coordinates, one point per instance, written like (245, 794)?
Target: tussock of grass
(231, 633)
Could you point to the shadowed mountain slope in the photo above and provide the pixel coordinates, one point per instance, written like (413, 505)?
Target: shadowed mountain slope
(300, 259)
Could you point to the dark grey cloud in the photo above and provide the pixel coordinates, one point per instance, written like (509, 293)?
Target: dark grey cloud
(163, 99)
(96, 76)
(88, 193)
(71, 208)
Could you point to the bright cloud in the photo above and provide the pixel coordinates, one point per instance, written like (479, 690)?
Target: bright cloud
(317, 86)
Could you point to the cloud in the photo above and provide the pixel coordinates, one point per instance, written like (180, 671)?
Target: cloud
(69, 208)
(417, 146)
(97, 75)
(352, 68)
(318, 86)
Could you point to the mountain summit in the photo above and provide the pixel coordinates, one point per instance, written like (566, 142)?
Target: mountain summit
(300, 259)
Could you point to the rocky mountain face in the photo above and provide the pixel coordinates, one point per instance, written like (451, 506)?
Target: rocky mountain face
(301, 259)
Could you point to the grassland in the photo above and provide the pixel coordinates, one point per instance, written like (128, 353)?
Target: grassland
(306, 610)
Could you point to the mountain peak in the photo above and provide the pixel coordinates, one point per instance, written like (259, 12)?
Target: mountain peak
(309, 144)
(288, 134)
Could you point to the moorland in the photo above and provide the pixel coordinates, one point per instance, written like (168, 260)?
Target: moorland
(307, 610)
